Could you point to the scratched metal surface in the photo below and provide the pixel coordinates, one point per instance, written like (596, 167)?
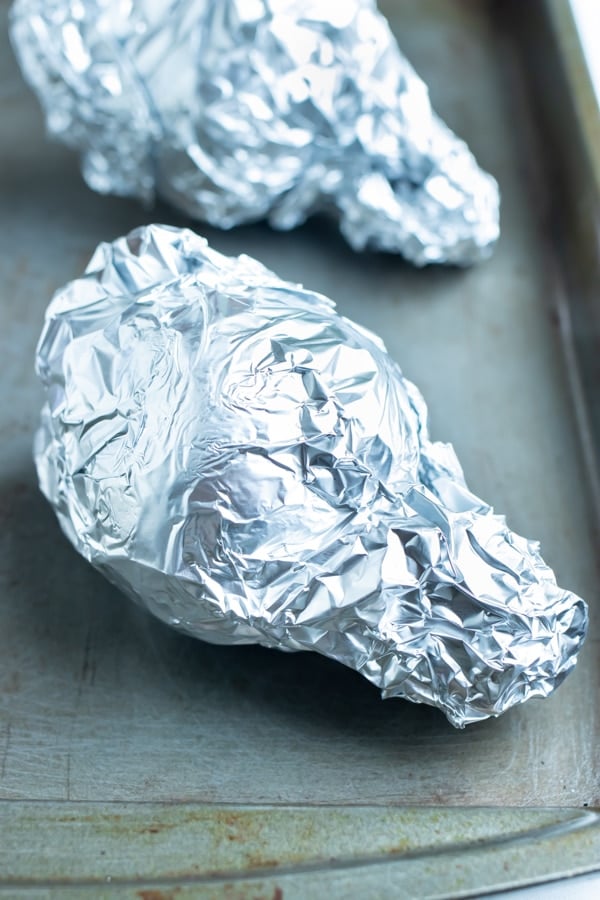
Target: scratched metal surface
(100, 705)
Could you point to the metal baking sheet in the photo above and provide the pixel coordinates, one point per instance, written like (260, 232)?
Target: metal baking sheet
(134, 757)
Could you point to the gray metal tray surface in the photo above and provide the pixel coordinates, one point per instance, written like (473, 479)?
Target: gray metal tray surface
(137, 761)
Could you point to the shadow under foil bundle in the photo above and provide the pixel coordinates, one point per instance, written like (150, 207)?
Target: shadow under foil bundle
(253, 467)
(240, 110)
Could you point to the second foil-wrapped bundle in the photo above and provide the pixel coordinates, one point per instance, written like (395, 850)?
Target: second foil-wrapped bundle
(241, 110)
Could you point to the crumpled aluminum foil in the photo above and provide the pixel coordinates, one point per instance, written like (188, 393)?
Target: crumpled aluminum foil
(238, 110)
(252, 467)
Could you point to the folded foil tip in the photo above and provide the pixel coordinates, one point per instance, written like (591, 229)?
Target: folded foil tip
(253, 467)
(237, 112)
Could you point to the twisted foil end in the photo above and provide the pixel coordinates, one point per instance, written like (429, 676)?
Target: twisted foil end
(252, 467)
(238, 111)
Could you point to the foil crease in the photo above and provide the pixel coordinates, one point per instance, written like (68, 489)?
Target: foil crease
(253, 467)
(240, 110)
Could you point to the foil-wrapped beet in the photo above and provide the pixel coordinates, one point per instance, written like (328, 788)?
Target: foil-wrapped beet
(239, 110)
(253, 467)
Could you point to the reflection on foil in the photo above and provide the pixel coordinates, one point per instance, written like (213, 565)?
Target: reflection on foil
(240, 110)
(253, 467)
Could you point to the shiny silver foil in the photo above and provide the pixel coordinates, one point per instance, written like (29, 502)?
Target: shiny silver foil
(253, 467)
(240, 110)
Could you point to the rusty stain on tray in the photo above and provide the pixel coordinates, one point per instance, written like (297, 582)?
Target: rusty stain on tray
(158, 895)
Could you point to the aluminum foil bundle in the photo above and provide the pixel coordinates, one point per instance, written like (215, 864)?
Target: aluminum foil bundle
(240, 110)
(252, 467)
